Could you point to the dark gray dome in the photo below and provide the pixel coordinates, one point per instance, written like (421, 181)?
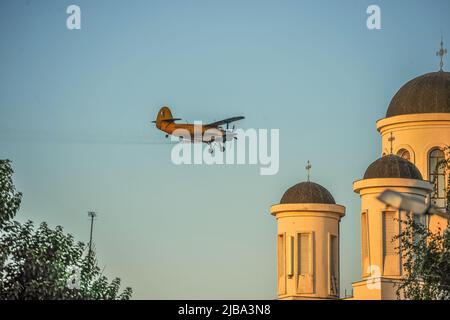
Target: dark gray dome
(307, 192)
(429, 93)
(392, 166)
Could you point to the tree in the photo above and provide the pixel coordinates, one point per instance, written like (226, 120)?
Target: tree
(9, 198)
(45, 263)
(426, 262)
(426, 255)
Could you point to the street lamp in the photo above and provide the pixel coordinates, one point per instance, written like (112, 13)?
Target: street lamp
(409, 204)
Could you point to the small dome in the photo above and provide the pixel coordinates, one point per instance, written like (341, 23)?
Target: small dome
(307, 192)
(429, 93)
(392, 166)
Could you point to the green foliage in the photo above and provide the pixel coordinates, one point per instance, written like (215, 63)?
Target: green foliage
(426, 262)
(426, 254)
(40, 263)
(9, 198)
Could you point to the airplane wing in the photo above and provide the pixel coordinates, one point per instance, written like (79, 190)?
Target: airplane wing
(225, 121)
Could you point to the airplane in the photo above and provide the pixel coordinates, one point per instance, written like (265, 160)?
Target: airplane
(211, 133)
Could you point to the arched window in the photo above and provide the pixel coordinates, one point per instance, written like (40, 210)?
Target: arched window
(437, 177)
(404, 154)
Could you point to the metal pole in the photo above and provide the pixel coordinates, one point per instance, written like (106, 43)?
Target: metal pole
(92, 215)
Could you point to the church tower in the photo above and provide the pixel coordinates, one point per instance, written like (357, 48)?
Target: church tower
(417, 128)
(308, 243)
(381, 263)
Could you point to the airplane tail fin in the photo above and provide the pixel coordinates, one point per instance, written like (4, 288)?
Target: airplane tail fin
(164, 115)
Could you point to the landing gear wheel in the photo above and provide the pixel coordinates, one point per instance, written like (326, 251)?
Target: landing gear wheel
(223, 149)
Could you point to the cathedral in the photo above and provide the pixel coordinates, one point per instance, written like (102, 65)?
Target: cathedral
(415, 136)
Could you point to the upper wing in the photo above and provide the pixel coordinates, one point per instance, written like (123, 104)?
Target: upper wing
(225, 121)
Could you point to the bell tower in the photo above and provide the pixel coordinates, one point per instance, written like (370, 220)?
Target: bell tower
(308, 242)
(381, 262)
(417, 128)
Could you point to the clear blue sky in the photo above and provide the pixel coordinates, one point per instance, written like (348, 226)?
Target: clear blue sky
(75, 108)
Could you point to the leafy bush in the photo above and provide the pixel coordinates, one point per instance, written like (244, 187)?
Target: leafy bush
(45, 263)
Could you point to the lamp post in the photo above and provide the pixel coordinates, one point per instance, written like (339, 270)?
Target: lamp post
(409, 204)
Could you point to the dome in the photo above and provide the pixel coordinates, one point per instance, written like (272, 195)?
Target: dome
(392, 166)
(307, 192)
(429, 93)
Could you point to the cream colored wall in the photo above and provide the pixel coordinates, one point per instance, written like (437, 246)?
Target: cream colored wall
(322, 221)
(437, 223)
(369, 190)
(363, 290)
(417, 133)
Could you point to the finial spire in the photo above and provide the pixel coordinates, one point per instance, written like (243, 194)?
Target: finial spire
(441, 53)
(308, 169)
(391, 140)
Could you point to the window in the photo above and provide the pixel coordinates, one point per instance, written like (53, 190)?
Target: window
(403, 153)
(289, 256)
(333, 258)
(391, 258)
(437, 177)
(364, 242)
(389, 231)
(281, 264)
(304, 253)
(281, 255)
(305, 256)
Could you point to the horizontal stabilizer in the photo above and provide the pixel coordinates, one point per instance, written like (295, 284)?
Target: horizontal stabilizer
(168, 120)
(171, 119)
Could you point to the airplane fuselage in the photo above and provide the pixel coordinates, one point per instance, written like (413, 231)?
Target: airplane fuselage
(206, 133)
